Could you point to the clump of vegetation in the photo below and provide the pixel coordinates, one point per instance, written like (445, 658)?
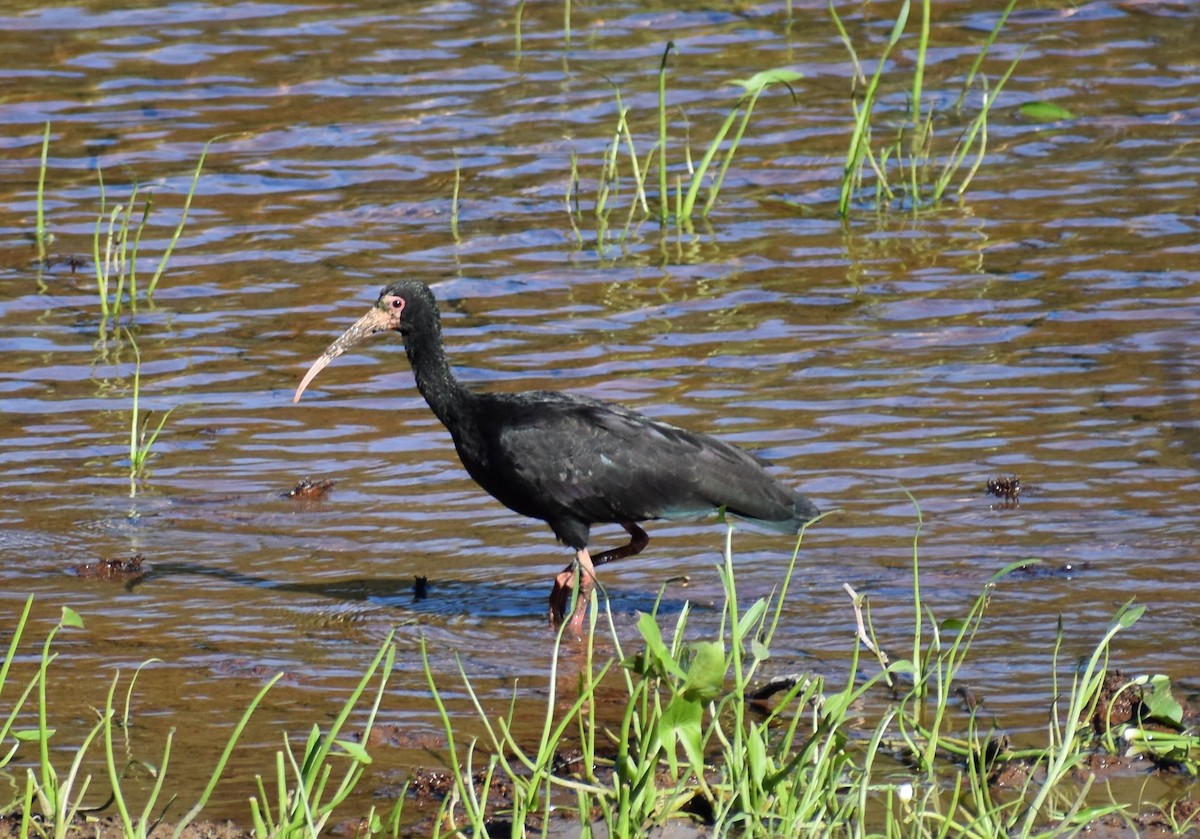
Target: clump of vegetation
(700, 736)
(53, 797)
(116, 240)
(907, 169)
(904, 168)
(141, 438)
(680, 182)
(703, 738)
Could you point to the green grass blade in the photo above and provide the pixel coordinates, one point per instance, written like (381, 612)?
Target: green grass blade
(454, 199)
(860, 136)
(219, 769)
(135, 457)
(137, 244)
(987, 45)
(40, 229)
(97, 262)
(517, 15)
(13, 643)
(697, 180)
(663, 159)
(187, 204)
(110, 761)
(919, 76)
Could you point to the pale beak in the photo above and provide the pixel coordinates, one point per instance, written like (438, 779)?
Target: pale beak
(376, 320)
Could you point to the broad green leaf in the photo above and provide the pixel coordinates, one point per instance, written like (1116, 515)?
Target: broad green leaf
(1127, 617)
(680, 722)
(355, 750)
(706, 673)
(751, 617)
(32, 735)
(766, 78)
(71, 618)
(652, 635)
(656, 659)
(901, 22)
(760, 650)
(1045, 112)
(661, 660)
(756, 753)
(1157, 697)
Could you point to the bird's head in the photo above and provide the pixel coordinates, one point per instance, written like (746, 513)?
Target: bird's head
(398, 307)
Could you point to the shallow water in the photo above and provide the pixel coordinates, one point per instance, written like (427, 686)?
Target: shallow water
(1044, 327)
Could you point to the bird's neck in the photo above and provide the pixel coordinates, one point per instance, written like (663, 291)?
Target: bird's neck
(449, 398)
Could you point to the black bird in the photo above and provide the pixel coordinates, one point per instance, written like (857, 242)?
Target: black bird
(570, 460)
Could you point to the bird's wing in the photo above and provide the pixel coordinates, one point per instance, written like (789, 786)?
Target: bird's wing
(604, 462)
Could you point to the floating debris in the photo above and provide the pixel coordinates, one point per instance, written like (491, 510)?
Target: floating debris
(309, 491)
(128, 571)
(1008, 488)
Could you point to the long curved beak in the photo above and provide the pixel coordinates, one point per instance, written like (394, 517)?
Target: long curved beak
(376, 320)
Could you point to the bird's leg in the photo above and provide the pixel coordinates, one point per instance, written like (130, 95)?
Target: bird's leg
(638, 540)
(560, 596)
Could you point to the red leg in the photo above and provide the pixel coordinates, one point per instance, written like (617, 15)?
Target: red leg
(560, 596)
(564, 583)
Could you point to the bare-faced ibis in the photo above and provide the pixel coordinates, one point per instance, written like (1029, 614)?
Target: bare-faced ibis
(570, 460)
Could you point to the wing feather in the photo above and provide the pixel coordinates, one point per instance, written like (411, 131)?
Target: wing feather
(570, 457)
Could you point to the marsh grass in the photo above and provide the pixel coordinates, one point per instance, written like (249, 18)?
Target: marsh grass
(116, 239)
(906, 167)
(701, 735)
(58, 793)
(116, 244)
(304, 801)
(681, 182)
(53, 799)
(701, 738)
(116, 261)
(141, 438)
(454, 200)
(40, 235)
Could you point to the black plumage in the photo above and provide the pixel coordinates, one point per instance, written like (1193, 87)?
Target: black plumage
(570, 460)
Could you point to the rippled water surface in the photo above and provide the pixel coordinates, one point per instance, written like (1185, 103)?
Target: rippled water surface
(1045, 327)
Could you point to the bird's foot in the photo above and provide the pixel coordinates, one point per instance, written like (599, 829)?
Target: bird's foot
(560, 602)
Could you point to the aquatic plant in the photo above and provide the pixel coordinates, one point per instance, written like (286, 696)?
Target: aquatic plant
(53, 798)
(40, 236)
(752, 88)
(904, 168)
(303, 802)
(689, 178)
(141, 440)
(116, 239)
(455, 205)
(51, 802)
(700, 737)
(118, 258)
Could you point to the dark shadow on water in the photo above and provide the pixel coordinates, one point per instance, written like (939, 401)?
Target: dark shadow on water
(486, 599)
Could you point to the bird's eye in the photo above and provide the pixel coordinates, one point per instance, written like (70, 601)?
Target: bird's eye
(397, 303)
